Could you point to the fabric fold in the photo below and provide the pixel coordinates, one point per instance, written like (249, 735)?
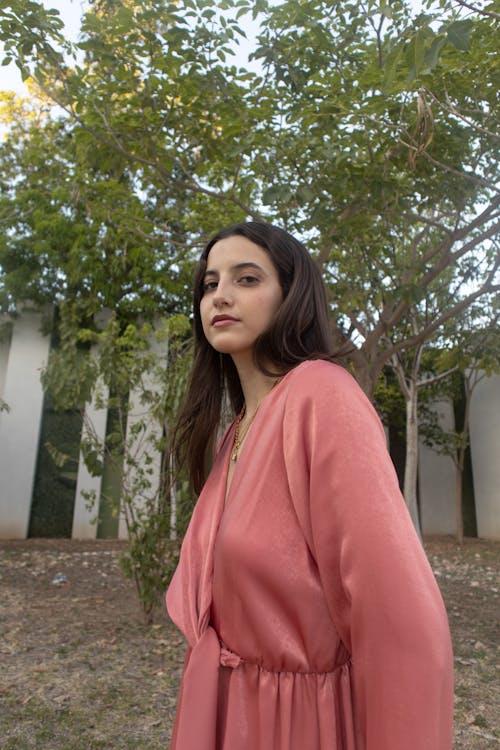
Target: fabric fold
(197, 705)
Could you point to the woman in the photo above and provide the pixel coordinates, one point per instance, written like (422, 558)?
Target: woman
(312, 617)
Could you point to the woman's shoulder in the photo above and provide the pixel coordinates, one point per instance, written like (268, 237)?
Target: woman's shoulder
(323, 391)
(325, 385)
(318, 375)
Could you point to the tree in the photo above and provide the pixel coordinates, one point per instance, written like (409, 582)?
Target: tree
(370, 132)
(393, 124)
(154, 86)
(137, 142)
(408, 228)
(407, 366)
(75, 227)
(28, 32)
(138, 374)
(472, 354)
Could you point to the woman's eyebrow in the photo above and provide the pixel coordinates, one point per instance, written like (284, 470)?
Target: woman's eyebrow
(237, 267)
(247, 264)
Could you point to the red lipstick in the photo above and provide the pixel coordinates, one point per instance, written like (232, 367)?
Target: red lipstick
(219, 321)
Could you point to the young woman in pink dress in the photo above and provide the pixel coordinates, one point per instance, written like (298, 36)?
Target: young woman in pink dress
(312, 617)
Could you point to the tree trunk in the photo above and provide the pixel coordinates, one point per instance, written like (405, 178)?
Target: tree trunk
(469, 385)
(365, 377)
(173, 501)
(411, 465)
(458, 502)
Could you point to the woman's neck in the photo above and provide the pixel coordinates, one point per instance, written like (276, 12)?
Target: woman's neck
(254, 384)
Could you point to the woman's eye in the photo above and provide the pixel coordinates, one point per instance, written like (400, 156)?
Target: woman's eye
(209, 286)
(248, 280)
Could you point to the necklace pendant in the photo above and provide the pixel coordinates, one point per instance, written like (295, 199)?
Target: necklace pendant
(234, 452)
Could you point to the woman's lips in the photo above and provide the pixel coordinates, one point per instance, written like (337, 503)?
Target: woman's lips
(220, 321)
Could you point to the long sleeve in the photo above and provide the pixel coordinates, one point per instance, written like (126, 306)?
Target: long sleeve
(380, 590)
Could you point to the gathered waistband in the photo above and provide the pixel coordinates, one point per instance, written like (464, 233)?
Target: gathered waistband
(232, 660)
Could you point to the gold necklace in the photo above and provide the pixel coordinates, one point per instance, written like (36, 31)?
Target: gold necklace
(238, 439)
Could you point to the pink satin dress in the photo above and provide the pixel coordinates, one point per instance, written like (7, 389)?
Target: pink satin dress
(312, 617)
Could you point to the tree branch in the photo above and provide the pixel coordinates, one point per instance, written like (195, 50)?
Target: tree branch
(451, 312)
(436, 378)
(447, 168)
(454, 111)
(388, 319)
(478, 9)
(167, 176)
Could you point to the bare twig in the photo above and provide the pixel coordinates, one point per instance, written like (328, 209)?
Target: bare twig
(451, 312)
(478, 9)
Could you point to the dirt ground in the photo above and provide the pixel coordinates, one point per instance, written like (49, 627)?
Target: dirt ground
(79, 670)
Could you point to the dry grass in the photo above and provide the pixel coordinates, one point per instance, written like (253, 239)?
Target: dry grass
(79, 670)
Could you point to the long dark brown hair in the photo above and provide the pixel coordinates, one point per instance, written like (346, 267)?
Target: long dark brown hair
(299, 331)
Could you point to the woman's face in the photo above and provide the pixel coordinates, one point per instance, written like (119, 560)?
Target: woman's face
(241, 295)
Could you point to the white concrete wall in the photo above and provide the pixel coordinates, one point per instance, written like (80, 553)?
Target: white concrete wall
(5, 334)
(436, 482)
(142, 444)
(23, 355)
(485, 453)
(20, 426)
(85, 515)
(94, 427)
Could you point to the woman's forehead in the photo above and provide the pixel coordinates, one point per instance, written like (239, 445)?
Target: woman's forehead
(236, 251)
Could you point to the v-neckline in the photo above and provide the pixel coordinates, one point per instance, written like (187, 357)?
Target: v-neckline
(228, 485)
(228, 465)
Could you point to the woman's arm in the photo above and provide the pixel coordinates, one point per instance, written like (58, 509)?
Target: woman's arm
(380, 589)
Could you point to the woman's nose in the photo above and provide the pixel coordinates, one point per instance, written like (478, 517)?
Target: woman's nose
(222, 295)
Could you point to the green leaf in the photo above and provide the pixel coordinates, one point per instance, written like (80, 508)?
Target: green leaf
(458, 34)
(58, 457)
(271, 195)
(419, 51)
(392, 61)
(431, 56)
